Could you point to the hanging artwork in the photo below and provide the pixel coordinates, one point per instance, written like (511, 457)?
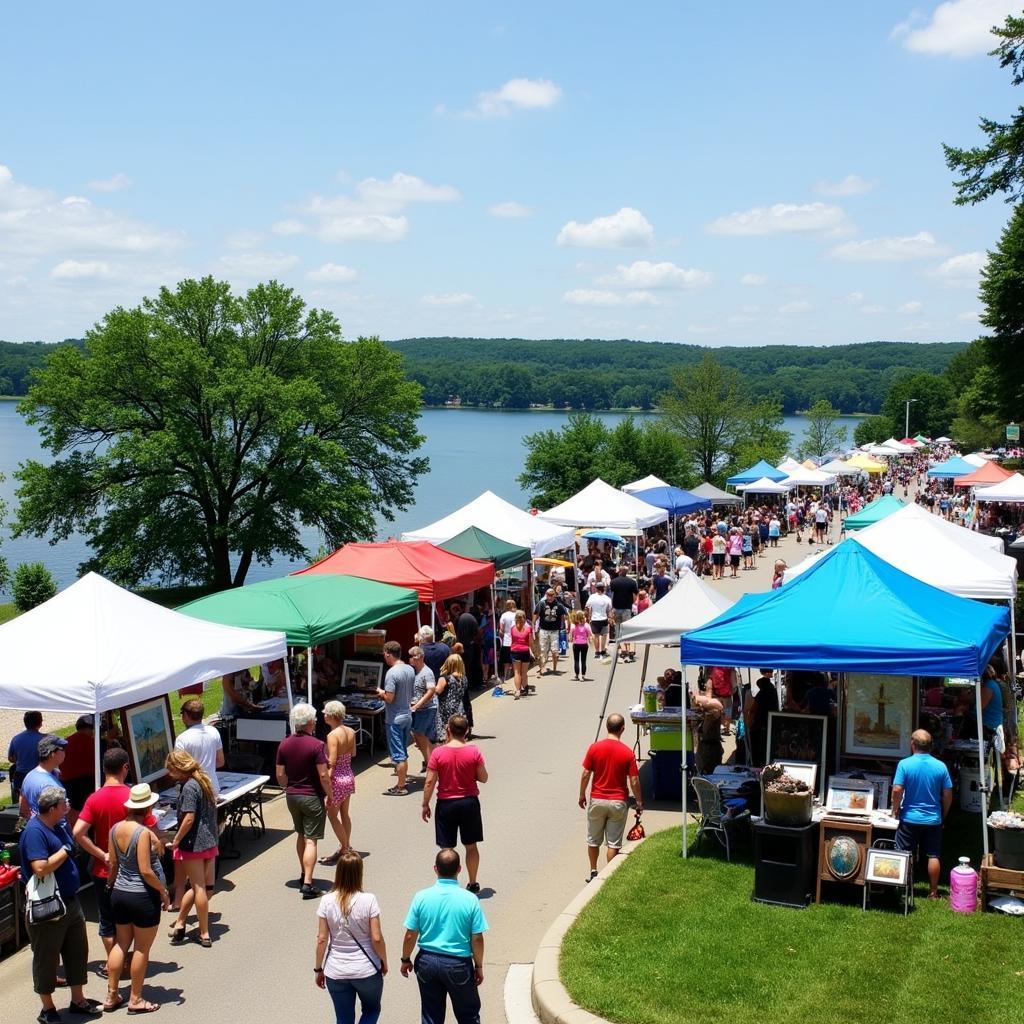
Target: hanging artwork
(879, 715)
(793, 737)
(150, 738)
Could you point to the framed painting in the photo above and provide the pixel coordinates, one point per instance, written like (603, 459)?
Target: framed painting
(147, 727)
(361, 675)
(879, 714)
(888, 867)
(850, 796)
(794, 737)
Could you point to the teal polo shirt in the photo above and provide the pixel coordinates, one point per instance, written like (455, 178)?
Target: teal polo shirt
(446, 917)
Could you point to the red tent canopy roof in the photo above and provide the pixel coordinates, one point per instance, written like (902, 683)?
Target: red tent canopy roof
(990, 473)
(435, 574)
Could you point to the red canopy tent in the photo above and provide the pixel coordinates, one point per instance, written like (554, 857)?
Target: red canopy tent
(435, 574)
(990, 473)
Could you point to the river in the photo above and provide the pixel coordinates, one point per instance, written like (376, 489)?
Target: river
(470, 450)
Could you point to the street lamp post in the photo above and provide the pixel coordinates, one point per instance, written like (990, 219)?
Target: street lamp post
(906, 423)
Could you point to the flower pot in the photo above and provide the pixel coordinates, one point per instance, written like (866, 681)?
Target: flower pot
(1008, 848)
(787, 808)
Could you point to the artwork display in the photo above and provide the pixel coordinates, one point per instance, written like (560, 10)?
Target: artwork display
(850, 796)
(150, 738)
(798, 738)
(370, 641)
(879, 715)
(805, 771)
(362, 675)
(888, 867)
(843, 857)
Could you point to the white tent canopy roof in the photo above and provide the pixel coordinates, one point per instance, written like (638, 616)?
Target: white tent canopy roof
(968, 539)
(646, 484)
(1011, 490)
(690, 604)
(809, 478)
(899, 446)
(837, 467)
(975, 459)
(96, 647)
(788, 464)
(500, 519)
(766, 486)
(605, 507)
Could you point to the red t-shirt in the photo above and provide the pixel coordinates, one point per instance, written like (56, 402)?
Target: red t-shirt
(521, 638)
(612, 762)
(79, 757)
(722, 681)
(456, 770)
(300, 754)
(103, 810)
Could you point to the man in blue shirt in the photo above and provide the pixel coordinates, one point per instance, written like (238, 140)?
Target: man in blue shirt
(46, 773)
(922, 792)
(23, 751)
(449, 925)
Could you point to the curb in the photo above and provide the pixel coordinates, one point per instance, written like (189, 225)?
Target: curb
(550, 999)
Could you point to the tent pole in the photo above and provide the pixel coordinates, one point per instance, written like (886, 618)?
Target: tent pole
(607, 692)
(983, 781)
(685, 727)
(288, 681)
(746, 735)
(494, 630)
(97, 728)
(309, 675)
(643, 672)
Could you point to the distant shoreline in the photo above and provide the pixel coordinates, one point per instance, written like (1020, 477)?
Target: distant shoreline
(617, 409)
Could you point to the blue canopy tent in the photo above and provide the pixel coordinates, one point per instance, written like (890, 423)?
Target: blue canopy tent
(952, 467)
(854, 612)
(755, 473)
(673, 500)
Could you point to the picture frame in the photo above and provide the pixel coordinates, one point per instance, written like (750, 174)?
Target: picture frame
(364, 676)
(805, 771)
(150, 735)
(879, 714)
(850, 796)
(887, 867)
(800, 738)
(369, 641)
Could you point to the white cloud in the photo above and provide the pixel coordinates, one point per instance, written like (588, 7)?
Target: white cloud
(332, 273)
(971, 316)
(965, 266)
(893, 249)
(957, 28)
(625, 228)
(781, 218)
(643, 274)
(753, 280)
(911, 308)
(289, 226)
(851, 185)
(518, 94)
(509, 209)
(115, 183)
(257, 264)
(791, 308)
(449, 299)
(371, 227)
(75, 270)
(594, 297)
(403, 188)
(853, 298)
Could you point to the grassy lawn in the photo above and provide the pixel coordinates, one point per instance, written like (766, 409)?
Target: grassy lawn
(668, 941)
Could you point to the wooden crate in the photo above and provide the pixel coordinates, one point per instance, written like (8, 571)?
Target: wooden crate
(999, 880)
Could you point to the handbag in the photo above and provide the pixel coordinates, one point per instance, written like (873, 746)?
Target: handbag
(362, 948)
(637, 831)
(44, 900)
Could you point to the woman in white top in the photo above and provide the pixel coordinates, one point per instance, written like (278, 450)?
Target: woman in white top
(505, 624)
(351, 956)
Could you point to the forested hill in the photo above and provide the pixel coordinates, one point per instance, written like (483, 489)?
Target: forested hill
(512, 373)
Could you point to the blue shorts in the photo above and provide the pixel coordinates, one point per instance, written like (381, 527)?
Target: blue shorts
(399, 739)
(929, 837)
(424, 722)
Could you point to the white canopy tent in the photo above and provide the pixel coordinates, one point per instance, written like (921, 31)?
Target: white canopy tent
(809, 478)
(500, 519)
(765, 486)
(899, 447)
(837, 467)
(788, 464)
(1010, 490)
(605, 507)
(646, 484)
(95, 647)
(975, 459)
(716, 495)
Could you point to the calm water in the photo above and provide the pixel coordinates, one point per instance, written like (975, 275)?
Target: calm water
(470, 451)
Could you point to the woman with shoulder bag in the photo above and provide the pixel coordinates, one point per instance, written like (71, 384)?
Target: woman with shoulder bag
(351, 958)
(138, 892)
(195, 842)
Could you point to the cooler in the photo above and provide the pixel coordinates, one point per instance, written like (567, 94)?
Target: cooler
(667, 768)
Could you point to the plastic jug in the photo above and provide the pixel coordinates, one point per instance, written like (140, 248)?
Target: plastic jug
(963, 888)
(650, 698)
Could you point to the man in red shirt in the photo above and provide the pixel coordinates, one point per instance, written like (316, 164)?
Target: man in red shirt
(608, 767)
(78, 772)
(103, 809)
(456, 769)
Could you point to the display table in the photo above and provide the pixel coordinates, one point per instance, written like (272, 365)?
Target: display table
(368, 709)
(645, 720)
(785, 863)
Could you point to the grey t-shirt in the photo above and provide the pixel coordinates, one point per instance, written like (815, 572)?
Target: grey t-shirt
(424, 681)
(193, 801)
(399, 680)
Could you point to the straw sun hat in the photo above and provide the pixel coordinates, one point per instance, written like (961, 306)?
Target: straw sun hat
(141, 797)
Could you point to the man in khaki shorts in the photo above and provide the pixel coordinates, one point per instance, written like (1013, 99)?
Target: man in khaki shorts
(608, 768)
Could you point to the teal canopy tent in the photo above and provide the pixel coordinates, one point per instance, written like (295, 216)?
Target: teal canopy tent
(873, 512)
(476, 543)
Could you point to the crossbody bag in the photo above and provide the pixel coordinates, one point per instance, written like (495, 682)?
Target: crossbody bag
(362, 949)
(44, 900)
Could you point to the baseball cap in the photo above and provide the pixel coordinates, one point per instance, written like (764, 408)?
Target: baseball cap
(49, 743)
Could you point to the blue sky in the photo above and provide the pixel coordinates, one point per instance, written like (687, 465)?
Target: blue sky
(736, 174)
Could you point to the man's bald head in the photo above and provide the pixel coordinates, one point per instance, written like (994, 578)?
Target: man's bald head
(921, 739)
(615, 724)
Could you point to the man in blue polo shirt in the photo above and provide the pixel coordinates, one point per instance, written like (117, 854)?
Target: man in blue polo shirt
(449, 925)
(922, 792)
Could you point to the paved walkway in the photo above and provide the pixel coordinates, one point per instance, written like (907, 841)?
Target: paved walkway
(533, 864)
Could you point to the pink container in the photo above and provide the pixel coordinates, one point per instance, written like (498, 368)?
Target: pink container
(963, 888)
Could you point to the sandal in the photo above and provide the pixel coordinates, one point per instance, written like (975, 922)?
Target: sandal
(114, 1001)
(143, 1007)
(330, 861)
(205, 941)
(176, 934)
(395, 791)
(86, 1008)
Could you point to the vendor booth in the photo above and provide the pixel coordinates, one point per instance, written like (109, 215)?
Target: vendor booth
(716, 495)
(1010, 491)
(987, 473)
(950, 469)
(645, 484)
(873, 512)
(759, 471)
(601, 505)
(476, 543)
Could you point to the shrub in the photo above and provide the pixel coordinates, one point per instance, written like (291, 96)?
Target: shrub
(33, 584)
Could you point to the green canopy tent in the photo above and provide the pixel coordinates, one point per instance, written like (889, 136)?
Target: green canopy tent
(872, 512)
(309, 610)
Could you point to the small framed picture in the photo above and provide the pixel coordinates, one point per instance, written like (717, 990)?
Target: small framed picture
(805, 771)
(361, 675)
(150, 738)
(888, 867)
(850, 796)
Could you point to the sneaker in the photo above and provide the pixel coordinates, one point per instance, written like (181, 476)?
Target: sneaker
(473, 887)
(309, 892)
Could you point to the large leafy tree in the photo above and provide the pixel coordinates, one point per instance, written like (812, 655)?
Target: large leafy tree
(823, 435)
(873, 430)
(998, 165)
(931, 408)
(196, 432)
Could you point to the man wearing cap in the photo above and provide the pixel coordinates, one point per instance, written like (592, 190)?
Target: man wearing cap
(46, 773)
(549, 621)
(23, 751)
(46, 849)
(598, 608)
(78, 772)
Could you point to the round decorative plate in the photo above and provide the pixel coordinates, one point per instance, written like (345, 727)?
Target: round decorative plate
(843, 856)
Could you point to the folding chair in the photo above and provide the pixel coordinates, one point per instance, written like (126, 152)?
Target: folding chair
(713, 816)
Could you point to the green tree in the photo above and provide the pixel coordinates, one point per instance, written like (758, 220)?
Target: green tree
(762, 436)
(202, 427)
(931, 408)
(33, 584)
(634, 451)
(823, 435)
(997, 166)
(873, 430)
(561, 462)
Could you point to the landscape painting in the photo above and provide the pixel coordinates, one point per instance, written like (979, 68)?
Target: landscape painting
(878, 715)
(149, 735)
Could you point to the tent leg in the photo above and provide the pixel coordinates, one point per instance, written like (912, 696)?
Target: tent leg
(607, 693)
(643, 672)
(97, 723)
(288, 683)
(309, 675)
(981, 768)
(494, 624)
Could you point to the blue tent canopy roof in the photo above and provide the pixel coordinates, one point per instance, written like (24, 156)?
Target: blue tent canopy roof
(673, 499)
(952, 467)
(756, 472)
(853, 612)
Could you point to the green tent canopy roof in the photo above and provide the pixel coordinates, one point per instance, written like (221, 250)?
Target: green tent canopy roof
(476, 543)
(309, 609)
(871, 513)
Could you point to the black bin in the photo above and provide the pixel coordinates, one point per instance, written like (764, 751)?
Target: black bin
(785, 864)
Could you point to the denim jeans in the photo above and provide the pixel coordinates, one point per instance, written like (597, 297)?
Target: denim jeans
(441, 976)
(343, 993)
